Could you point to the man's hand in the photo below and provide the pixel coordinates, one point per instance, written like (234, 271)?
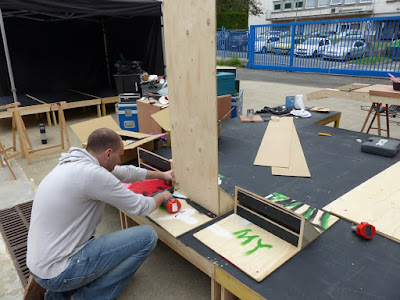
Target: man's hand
(169, 175)
(161, 197)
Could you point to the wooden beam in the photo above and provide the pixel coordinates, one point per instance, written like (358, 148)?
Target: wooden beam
(190, 36)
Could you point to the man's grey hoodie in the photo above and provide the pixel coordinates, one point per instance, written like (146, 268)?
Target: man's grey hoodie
(69, 204)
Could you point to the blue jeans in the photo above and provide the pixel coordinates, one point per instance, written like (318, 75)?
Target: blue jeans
(104, 266)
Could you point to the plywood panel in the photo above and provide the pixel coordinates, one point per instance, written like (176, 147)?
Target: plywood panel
(275, 146)
(298, 164)
(375, 201)
(190, 36)
(238, 240)
(183, 221)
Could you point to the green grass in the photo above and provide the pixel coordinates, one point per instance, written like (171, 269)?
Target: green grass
(370, 60)
(231, 62)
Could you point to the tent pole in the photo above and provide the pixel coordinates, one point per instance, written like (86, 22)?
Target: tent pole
(10, 72)
(163, 44)
(106, 52)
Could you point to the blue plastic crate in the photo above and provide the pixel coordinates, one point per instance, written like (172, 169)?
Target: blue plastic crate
(127, 116)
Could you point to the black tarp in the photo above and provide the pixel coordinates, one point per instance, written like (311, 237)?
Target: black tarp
(57, 54)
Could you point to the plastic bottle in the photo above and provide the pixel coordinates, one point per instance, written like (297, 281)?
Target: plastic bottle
(43, 133)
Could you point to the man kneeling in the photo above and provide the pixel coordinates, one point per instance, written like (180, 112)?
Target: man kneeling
(63, 255)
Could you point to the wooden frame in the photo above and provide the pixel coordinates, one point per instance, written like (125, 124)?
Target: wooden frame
(26, 145)
(6, 158)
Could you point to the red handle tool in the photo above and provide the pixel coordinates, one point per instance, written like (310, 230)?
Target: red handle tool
(365, 230)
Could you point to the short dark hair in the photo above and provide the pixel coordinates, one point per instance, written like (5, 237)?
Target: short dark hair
(102, 139)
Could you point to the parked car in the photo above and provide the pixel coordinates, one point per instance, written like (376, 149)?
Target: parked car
(237, 41)
(264, 44)
(278, 33)
(312, 47)
(323, 34)
(346, 50)
(284, 46)
(350, 34)
(222, 38)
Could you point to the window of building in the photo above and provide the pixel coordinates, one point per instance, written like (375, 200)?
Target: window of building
(322, 3)
(364, 1)
(287, 4)
(310, 3)
(299, 4)
(349, 1)
(336, 2)
(277, 5)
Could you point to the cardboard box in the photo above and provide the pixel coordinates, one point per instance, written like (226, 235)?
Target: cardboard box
(131, 139)
(145, 108)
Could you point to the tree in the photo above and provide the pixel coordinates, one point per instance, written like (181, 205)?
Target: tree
(253, 7)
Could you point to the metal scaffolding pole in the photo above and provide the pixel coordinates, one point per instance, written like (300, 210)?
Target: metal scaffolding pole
(10, 72)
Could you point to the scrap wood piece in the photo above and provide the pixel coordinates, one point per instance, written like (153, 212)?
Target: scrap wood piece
(320, 219)
(252, 249)
(275, 146)
(298, 165)
(255, 118)
(375, 201)
(320, 109)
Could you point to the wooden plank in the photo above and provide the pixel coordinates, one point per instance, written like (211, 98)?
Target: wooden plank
(336, 93)
(82, 103)
(186, 219)
(298, 165)
(256, 118)
(334, 118)
(252, 249)
(235, 286)
(190, 39)
(375, 201)
(275, 146)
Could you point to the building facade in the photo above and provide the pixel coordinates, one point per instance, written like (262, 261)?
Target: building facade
(284, 11)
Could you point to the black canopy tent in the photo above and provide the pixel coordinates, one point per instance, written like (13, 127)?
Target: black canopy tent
(55, 45)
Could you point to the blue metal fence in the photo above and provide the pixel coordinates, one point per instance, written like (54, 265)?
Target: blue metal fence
(364, 47)
(232, 43)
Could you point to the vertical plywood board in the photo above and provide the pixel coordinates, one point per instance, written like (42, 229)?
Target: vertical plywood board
(239, 241)
(186, 219)
(375, 201)
(190, 35)
(275, 146)
(298, 164)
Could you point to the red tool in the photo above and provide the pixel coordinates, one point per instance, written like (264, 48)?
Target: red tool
(364, 230)
(172, 205)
